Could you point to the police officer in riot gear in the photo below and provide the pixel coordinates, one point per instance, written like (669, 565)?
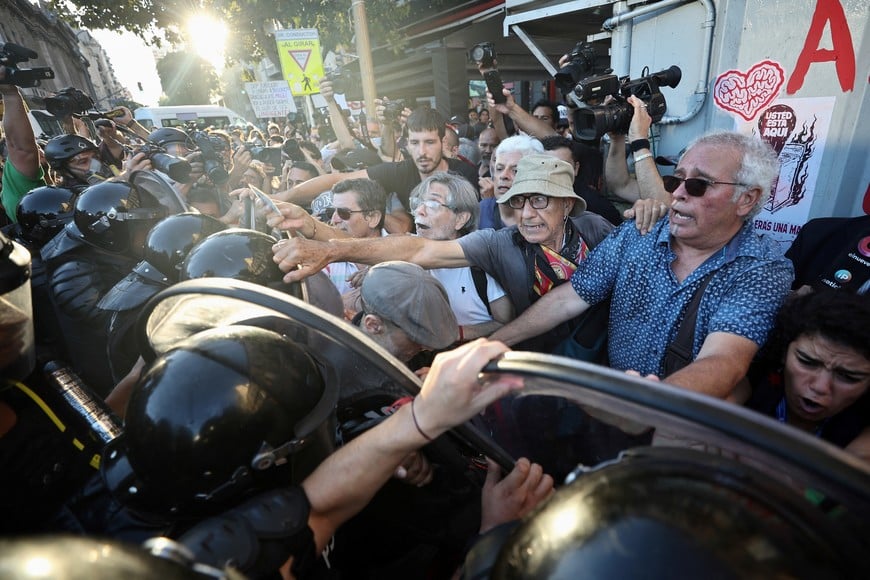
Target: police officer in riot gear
(267, 422)
(669, 512)
(175, 141)
(166, 246)
(52, 429)
(243, 254)
(100, 247)
(41, 214)
(237, 253)
(77, 161)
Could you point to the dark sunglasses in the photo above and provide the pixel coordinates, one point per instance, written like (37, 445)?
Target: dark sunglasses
(345, 213)
(695, 186)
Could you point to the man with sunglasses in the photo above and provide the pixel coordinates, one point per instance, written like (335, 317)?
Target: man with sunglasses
(720, 183)
(357, 212)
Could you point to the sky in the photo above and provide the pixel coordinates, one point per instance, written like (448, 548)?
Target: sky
(133, 62)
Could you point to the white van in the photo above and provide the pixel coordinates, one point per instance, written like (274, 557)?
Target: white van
(176, 116)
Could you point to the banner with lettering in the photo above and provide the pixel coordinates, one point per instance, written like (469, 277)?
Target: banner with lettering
(797, 130)
(270, 99)
(301, 62)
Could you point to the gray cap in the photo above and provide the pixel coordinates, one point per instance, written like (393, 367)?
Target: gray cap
(412, 299)
(543, 174)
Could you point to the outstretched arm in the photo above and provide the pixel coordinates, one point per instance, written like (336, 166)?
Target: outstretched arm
(523, 120)
(20, 142)
(339, 122)
(343, 484)
(301, 258)
(303, 193)
(556, 306)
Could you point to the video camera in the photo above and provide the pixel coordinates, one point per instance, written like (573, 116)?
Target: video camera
(268, 155)
(67, 102)
(11, 55)
(581, 62)
(211, 159)
(596, 119)
(291, 148)
(393, 110)
(177, 168)
(344, 81)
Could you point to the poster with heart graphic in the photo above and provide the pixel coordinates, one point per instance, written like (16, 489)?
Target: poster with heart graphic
(796, 129)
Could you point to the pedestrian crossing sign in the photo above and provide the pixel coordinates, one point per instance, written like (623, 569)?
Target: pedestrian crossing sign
(301, 63)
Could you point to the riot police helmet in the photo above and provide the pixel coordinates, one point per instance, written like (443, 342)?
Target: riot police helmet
(225, 413)
(237, 253)
(79, 558)
(677, 513)
(169, 242)
(43, 212)
(110, 213)
(168, 135)
(58, 150)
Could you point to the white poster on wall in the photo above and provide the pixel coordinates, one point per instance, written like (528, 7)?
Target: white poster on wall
(797, 130)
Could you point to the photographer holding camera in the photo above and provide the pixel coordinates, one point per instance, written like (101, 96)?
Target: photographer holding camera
(336, 117)
(647, 184)
(22, 171)
(392, 116)
(500, 100)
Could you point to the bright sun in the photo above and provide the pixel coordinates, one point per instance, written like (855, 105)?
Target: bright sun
(207, 35)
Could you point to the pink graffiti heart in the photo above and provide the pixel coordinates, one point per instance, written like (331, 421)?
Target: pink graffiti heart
(747, 93)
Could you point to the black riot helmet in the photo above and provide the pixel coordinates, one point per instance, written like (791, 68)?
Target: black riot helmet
(110, 213)
(665, 512)
(43, 212)
(222, 414)
(169, 242)
(78, 558)
(58, 150)
(166, 135)
(236, 253)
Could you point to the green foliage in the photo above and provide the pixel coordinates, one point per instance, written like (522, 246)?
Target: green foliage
(154, 20)
(187, 79)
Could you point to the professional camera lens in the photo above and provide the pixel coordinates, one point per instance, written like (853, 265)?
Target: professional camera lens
(176, 168)
(581, 62)
(591, 123)
(483, 54)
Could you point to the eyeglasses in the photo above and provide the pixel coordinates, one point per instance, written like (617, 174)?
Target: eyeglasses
(345, 213)
(429, 204)
(536, 201)
(695, 186)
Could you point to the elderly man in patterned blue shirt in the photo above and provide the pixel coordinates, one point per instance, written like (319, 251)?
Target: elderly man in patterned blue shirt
(720, 183)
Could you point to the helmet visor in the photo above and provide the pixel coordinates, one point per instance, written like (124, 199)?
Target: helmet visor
(161, 190)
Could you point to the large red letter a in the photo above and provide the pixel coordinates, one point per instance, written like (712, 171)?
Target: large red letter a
(843, 53)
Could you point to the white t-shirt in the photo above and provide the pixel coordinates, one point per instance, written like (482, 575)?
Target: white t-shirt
(464, 299)
(339, 272)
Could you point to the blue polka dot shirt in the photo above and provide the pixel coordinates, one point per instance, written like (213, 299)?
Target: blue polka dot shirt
(750, 282)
